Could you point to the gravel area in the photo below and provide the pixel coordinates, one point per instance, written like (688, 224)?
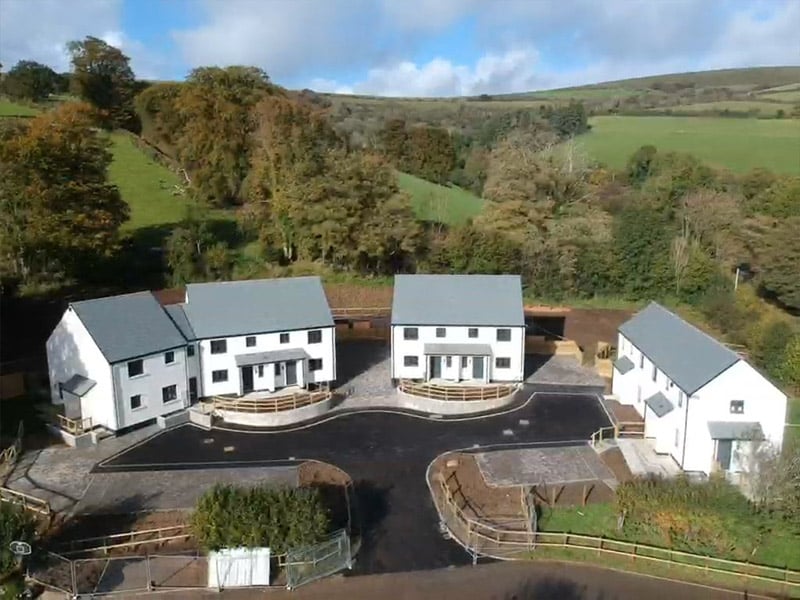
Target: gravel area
(365, 371)
(561, 370)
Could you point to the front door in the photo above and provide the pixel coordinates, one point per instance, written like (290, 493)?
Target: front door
(477, 367)
(291, 373)
(724, 448)
(247, 379)
(193, 389)
(435, 367)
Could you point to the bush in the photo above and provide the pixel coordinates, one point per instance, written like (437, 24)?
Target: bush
(229, 517)
(15, 524)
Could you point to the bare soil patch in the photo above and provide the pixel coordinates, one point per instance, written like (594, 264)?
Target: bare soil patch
(347, 295)
(588, 326)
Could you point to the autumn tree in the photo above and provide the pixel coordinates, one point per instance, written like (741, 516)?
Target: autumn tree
(779, 200)
(157, 109)
(57, 209)
(642, 252)
(29, 80)
(779, 261)
(712, 219)
(102, 76)
(430, 153)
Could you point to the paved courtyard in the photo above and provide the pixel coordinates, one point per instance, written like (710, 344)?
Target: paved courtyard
(560, 370)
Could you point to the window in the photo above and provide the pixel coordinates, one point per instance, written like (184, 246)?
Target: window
(135, 367)
(410, 333)
(169, 357)
(680, 399)
(169, 393)
(136, 401)
(503, 335)
(315, 364)
(190, 350)
(219, 346)
(260, 370)
(641, 361)
(411, 361)
(277, 369)
(676, 437)
(638, 394)
(502, 363)
(448, 361)
(284, 338)
(464, 362)
(219, 376)
(669, 384)
(472, 332)
(315, 336)
(441, 332)
(250, 341)
(737, 407)
(655, 373)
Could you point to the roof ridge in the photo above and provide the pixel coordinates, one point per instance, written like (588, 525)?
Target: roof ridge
(114, 296)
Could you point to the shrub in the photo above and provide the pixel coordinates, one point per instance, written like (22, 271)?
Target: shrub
(280, 518)
(15, 524)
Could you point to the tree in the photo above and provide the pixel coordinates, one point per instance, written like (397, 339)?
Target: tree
(430, 153)
(569, 120)
(713, 219)
(157, 109)
(102, 76)
(29, 80)
(58, 212)
(789, 369)
(780, 263)
(16, 524)
(779, 200)
(642, 251)
(641, 165)
(774, 479)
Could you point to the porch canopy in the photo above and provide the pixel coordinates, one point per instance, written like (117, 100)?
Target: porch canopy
(78, 385)
(623, 364)
(735, 430)
(263, 358)
(659, 404)
(458, 350)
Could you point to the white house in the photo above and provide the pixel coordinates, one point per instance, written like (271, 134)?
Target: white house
(458, 328)
(702, 404)
(127, 359)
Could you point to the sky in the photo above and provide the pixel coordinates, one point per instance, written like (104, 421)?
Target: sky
(413, 47)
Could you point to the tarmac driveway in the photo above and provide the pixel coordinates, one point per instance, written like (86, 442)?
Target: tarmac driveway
(386, 454)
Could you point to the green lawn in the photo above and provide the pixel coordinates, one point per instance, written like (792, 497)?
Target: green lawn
(737, 144)
(145, 185)
(13, 109)
(443, 204)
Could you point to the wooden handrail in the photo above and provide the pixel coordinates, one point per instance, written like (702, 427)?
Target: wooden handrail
(270, 405)
(74, 426)
(27, 501)
(108, 542)
(457, 392)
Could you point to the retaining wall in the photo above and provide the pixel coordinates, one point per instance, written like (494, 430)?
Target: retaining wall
(451, 407)
(276, 419)
(173, 419)
(84, 440)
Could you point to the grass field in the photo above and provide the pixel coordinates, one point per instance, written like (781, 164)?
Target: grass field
(14, 109)
(737, 144)
(442, 204)
(786, 96)
(741, 106)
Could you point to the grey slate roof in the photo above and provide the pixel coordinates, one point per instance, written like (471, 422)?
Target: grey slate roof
(263, 358)
(230, 308)
(659, 404)
(128, 326)
(623, 364)
(467, 300)
(78, 385)
(458, 349)
(735, 430)
(689, 357)
(178, 316)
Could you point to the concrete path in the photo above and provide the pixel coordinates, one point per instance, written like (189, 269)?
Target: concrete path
(642, 459)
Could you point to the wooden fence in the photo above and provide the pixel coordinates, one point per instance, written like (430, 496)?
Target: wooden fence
(74, 426)
(485, 539)
(632, 429)
(9, 456)
(129, 539)
(269, 405)
(456, 393)
(361, 313)
(26, 501)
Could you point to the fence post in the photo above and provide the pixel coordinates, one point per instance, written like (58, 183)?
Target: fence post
(149, 575)
(73, 577)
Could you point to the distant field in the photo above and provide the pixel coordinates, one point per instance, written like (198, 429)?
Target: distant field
(13, 109)
(737, 144)
(787, 96)
(587, 93)
(145, 185)
(439, 203)
(763, 108)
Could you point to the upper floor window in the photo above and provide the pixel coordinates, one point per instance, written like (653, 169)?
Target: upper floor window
(680, 399)
(169, 357)
(219, 346)
(472, 332)
(284, 338)
(190, 350)
(315, 336)
(641, 361)
(410, 333)
(135, 367)
(503, 335)
(441, 332)
(737, 407)
(250, 341)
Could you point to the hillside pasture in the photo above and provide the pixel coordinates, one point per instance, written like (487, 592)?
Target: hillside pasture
(736, 144)
(784, 96)
(449, 205)
(759, 108)
(9, 108)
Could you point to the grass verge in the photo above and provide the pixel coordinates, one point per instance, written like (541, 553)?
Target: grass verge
(450, 205)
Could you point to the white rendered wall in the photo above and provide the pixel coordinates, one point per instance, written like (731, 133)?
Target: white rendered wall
(157, 375)
(513, 349)
(71, 350)
(265, 342)
(763, 403)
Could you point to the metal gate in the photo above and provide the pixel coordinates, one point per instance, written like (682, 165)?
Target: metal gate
(304, 565)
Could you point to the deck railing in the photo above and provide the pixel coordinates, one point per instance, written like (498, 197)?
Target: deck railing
(74, 426)
(457, 393)
(270, 405)
(26, 501)
(129, 539)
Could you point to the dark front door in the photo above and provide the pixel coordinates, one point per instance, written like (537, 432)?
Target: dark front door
(477, 367)
(291, 373)
(193, 389)
(247, 379)
(724, 448)
(436, 367)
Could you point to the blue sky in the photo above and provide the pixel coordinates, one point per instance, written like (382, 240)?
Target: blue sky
(414, 47)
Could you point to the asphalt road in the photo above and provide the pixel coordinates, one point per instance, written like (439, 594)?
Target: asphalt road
(387, 455)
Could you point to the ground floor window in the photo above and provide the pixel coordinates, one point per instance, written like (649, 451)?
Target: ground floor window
(464, 362)
(260, 370)
(219, 376)
(169, 393)
(411, 361)
(502, 363)
(315, 364)
(136, 401)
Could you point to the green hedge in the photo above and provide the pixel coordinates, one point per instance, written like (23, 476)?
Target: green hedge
(280, 518)
(15, 525)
